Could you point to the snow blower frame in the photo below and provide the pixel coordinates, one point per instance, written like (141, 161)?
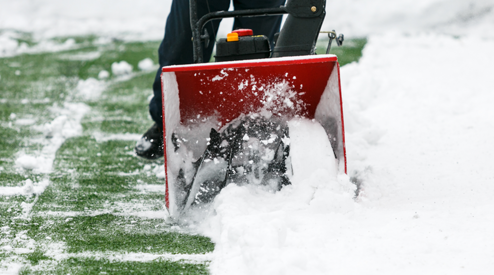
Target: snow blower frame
(210, 108)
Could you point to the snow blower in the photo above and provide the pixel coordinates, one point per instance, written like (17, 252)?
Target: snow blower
(230, 121)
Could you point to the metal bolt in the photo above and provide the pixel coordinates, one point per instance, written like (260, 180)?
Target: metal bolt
(313, 9)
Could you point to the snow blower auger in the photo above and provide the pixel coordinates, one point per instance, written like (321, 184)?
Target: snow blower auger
(231, 121)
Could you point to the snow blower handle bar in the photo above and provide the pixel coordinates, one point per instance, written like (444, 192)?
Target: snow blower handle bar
(298, 36)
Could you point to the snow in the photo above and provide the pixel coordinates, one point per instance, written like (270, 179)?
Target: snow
(25, 121)
(27, 162)
(9, 45)
(260, 232)
(310, 150)
(135, 257)
(103, 74)
(89, 89)
(418, 120)
(364, 17)
(28, 188)
(50, 18)
(65, 125)
(102, 137)
(151, 188)
(121, 68)
(143, 144)
(417, 112)
(279, 97)
(87, 56)
(146, 65)
(127, 20)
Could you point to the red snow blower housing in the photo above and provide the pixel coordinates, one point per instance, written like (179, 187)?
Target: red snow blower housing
(226, 122)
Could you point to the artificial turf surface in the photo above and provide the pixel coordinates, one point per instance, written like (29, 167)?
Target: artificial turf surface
(101, 199)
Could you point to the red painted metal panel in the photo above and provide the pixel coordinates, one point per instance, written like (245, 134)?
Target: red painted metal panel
(251, 63)
(228, 92)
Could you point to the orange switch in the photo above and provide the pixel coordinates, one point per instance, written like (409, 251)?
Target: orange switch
(232, 37)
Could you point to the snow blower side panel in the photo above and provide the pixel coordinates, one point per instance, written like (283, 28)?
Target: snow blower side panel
(201, 97)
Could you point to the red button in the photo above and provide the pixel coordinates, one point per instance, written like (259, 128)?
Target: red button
(244, 32)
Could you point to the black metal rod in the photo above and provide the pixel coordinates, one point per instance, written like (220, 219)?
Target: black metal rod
(198, 25)
(196, 34)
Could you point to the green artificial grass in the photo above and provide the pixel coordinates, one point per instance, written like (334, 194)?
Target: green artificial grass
(114, 233)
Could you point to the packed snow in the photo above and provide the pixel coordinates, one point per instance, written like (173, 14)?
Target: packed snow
(103, 74)
(419, 130)
(89, 89)
(146, 64)
(65, 125)
(121, 68)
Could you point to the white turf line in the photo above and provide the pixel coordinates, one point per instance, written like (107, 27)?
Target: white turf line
(102, 137)
(141, 214)
(136, 257)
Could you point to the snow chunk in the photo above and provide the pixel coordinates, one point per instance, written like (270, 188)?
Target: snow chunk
(121, 68)
(90, 89)
(104, 74)
(102, 137)
(146, 65)
(28, 188)
(25, 121)
(27, 162)
(84, 56)
(7, 45)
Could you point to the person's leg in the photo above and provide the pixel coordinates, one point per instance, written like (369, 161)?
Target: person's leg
(175, 49)
(265, 25)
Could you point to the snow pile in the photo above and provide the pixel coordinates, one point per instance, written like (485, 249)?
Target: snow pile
(146, 65)
(65, 125)
(27, 162)
(89, 89)
(103, 137)
(10, 45)
(159, 171)
(125, 19)
(85, 56)
(259, 232)
(28, 188)
(420, 85)
(121, 68)
(25, 121)
(418, 117)
(52, 18)
(364, 17)
(103, 74)
(416, 113)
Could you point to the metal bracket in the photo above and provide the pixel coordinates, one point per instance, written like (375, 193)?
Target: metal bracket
(205, 38)
(333, 36)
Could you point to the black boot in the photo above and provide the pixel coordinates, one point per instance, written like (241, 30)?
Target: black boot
(150, 146)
